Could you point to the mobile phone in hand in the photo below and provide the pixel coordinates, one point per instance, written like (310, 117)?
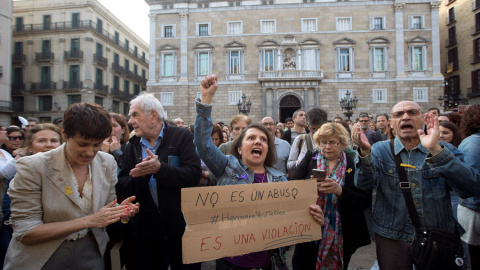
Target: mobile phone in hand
(320, 175)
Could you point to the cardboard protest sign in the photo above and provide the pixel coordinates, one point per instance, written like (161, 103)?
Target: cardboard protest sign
(225, 221)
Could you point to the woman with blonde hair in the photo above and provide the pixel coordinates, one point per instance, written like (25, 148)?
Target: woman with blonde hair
(345, 228)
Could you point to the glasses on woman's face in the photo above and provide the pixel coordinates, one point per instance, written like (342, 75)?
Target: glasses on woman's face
(331, 144)
(19, 138)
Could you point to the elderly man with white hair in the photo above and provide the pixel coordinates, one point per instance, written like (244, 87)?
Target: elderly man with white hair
(159, 161)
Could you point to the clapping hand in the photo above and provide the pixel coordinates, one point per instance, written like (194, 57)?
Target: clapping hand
(149, 165)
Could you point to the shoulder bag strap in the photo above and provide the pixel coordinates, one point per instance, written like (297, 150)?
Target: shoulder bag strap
(405, 187)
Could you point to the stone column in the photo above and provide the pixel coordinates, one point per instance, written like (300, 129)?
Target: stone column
(30, 58)
(264, 102)
(434, 6)
(275, 105)
(183, 46)
(108, 75)
(305, 99)
(151, 51)
(399, 38)
(61, 73)
(315, 96)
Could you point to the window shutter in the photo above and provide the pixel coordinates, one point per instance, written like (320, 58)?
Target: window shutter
(352, 60)
(424, 58)
(371, 57)
(241, 63)
(385, 59)
(384, 23)
(475, 81)
(410, 58)
(371, 23)
(337, 56)
(410, 22)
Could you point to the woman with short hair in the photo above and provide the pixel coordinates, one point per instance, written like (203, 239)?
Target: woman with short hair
(63, 199)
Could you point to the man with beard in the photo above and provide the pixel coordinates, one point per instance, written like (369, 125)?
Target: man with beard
(431, 167)
(382, 133)
(299, 125)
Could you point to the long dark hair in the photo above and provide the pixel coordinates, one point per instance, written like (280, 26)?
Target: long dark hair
(457, 135)
(271, 157)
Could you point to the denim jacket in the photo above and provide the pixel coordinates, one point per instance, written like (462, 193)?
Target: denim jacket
(428, 177)
(229, 170)
(470, 147)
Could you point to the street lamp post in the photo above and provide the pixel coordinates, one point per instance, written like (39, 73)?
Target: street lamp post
(444, 102)
(348, 103)
(244, 106)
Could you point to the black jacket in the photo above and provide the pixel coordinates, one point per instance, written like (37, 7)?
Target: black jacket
(351, 204)
(376, 137)
(167, 220)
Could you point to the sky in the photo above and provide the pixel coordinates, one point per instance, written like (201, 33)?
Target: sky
(133, 13)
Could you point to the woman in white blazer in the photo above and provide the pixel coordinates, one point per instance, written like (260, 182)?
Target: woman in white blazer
(63, 199)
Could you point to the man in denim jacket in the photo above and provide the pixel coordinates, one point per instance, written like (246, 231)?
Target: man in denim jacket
(430, 165)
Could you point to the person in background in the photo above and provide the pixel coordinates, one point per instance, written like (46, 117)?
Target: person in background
(279, 133)
(225, 138)
(41, 138)
(345, 227)
(455, 118)
(281, 126)
(372, 126)
(288, 123)
(7, 162)
(349, 122)
(443, 118)
(364, 121)
(282, 148)
(116, 143)
(469, 208)
(382, 133)
(252, 156)
(338, 119)
(450, 133)
(299, 126)
(226, 130)
(31, 123)
(434, 111)
(61, 200)
(58, 121)
(208, 179)
(237, 124)
(178, 122)
(15, 141)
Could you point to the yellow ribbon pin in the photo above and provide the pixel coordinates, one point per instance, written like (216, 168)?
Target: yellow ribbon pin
(349, 170)
(407, 166)
(68, 190)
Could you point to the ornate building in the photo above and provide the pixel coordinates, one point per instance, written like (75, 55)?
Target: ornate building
(287, 54)
(5, 61)
(67, 52)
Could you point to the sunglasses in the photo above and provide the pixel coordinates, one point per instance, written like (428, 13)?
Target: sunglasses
(20, 138)
(411, 112)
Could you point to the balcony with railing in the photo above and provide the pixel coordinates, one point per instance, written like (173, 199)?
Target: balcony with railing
(100, 60)
(43, 87)
(44, 56)
(80, 25)
(100, 89)
(19, 59)
(128, 73)
(75, 55)
(18, 88)
(290, 74)
(116, 68)
(117, 93)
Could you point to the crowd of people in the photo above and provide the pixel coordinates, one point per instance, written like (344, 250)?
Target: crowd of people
(71, 190)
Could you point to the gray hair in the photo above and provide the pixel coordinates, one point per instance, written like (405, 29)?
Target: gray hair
(148, 104)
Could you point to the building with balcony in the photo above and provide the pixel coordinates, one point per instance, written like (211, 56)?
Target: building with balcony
(67, 52)
(5, 61)
(288, 54)
(460, 53)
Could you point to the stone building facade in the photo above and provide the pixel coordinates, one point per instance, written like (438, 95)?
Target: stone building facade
(5, 61)
(290, 54)
(67, 52)
(460, 52)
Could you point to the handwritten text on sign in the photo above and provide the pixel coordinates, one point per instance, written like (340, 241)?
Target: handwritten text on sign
(233, 220)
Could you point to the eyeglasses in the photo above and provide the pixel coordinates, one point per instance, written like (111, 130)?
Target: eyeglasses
(363, 121)
(331, 144)
(268, 124)
(411, 112)
(20, 138)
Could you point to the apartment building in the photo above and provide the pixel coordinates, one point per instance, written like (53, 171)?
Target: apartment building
(290, 54)
(68, 52)
(460, 52)
(5, 61)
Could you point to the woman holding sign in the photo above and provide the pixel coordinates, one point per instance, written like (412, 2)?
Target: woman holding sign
(251, 158)
(345, 228)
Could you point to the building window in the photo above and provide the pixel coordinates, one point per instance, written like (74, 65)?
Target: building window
(75, 47)
(452, 35)
(47, 22)
(477, 22)
(453, 85)
(18, 104)
(203, 29)
(344, 59)
(44, 103)
(99, 25)
(74, 77)
(74, 99)
(417, 58)
(168, 31)
(309, 24)
(476, 4)
(127, 44)
(17, 81)
(116, 83)
(99, 78)
(342, 93)
(45, 77)
(136, 89)
(203, 63)
(234, 97)
(46, 48)
(116, 37)
(168, 65)
(235, 62)
(379, 95)
(268, 60)
(116, 59)
(344, 23)
(377, 23)
(451, 15)
(126, 86)
(452, 60)
(75, 20)
(19, 24)
(126, 108)
(310, 59)
(420, 94)
(378, 56)
(475, 80)
(99, 100)
(99, 50)
(235, 28)
(115, 106)
(476, 50)
(417, 22)
(268, 26)
(126, 65)
(166, 98)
